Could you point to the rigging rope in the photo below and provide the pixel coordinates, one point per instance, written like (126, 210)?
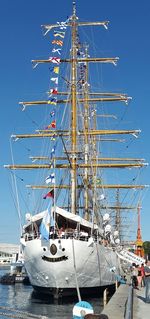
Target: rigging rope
(16, 189)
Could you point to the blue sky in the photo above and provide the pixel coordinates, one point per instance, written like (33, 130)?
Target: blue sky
(22, 40)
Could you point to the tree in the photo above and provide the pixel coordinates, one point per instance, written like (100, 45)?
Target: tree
(146, 246)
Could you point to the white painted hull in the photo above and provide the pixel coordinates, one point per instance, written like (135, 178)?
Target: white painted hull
(56, 273)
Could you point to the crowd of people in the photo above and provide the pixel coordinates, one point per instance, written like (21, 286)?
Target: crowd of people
(141, 278)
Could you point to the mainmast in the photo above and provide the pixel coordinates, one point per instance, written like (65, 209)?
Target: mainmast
(74, 111)
(86, 138)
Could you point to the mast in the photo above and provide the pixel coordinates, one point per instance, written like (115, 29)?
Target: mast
(73, 112)
(89, 163)
(118, 217)
(86, 128)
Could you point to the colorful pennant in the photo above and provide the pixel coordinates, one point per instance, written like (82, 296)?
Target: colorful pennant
(49, 194)
(50, 179)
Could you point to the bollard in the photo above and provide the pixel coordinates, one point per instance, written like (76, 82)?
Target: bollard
(116, 284)
(105, 296)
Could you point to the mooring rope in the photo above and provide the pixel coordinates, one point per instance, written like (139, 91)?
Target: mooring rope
(74, 263)
(14, 313)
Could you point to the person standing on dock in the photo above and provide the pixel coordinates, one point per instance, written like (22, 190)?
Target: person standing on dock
(147, 282)
(134, 272)
(139, 276)
(143, 276)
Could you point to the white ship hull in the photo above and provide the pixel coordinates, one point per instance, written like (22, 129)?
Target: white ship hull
(91, 264)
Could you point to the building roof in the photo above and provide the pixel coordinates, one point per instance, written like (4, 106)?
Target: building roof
(9, 248)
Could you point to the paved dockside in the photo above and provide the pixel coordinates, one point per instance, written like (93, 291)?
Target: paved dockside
(115, 308)
(140, 309)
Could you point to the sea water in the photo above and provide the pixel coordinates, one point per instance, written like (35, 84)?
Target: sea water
(22, 299)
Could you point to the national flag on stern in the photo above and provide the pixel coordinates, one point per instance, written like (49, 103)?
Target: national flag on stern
(49, 194)
(45, 224)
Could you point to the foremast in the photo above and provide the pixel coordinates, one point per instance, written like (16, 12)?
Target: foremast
(86, 139)
(74, 112)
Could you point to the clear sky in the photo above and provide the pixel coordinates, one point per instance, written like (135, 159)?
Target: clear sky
(22, 40)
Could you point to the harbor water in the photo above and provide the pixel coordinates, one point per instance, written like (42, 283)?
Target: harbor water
(22, 299)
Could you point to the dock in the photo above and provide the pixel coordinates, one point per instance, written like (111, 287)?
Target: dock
(140, 308)
(116, 308)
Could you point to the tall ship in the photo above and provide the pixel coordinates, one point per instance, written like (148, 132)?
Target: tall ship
(71, 240)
